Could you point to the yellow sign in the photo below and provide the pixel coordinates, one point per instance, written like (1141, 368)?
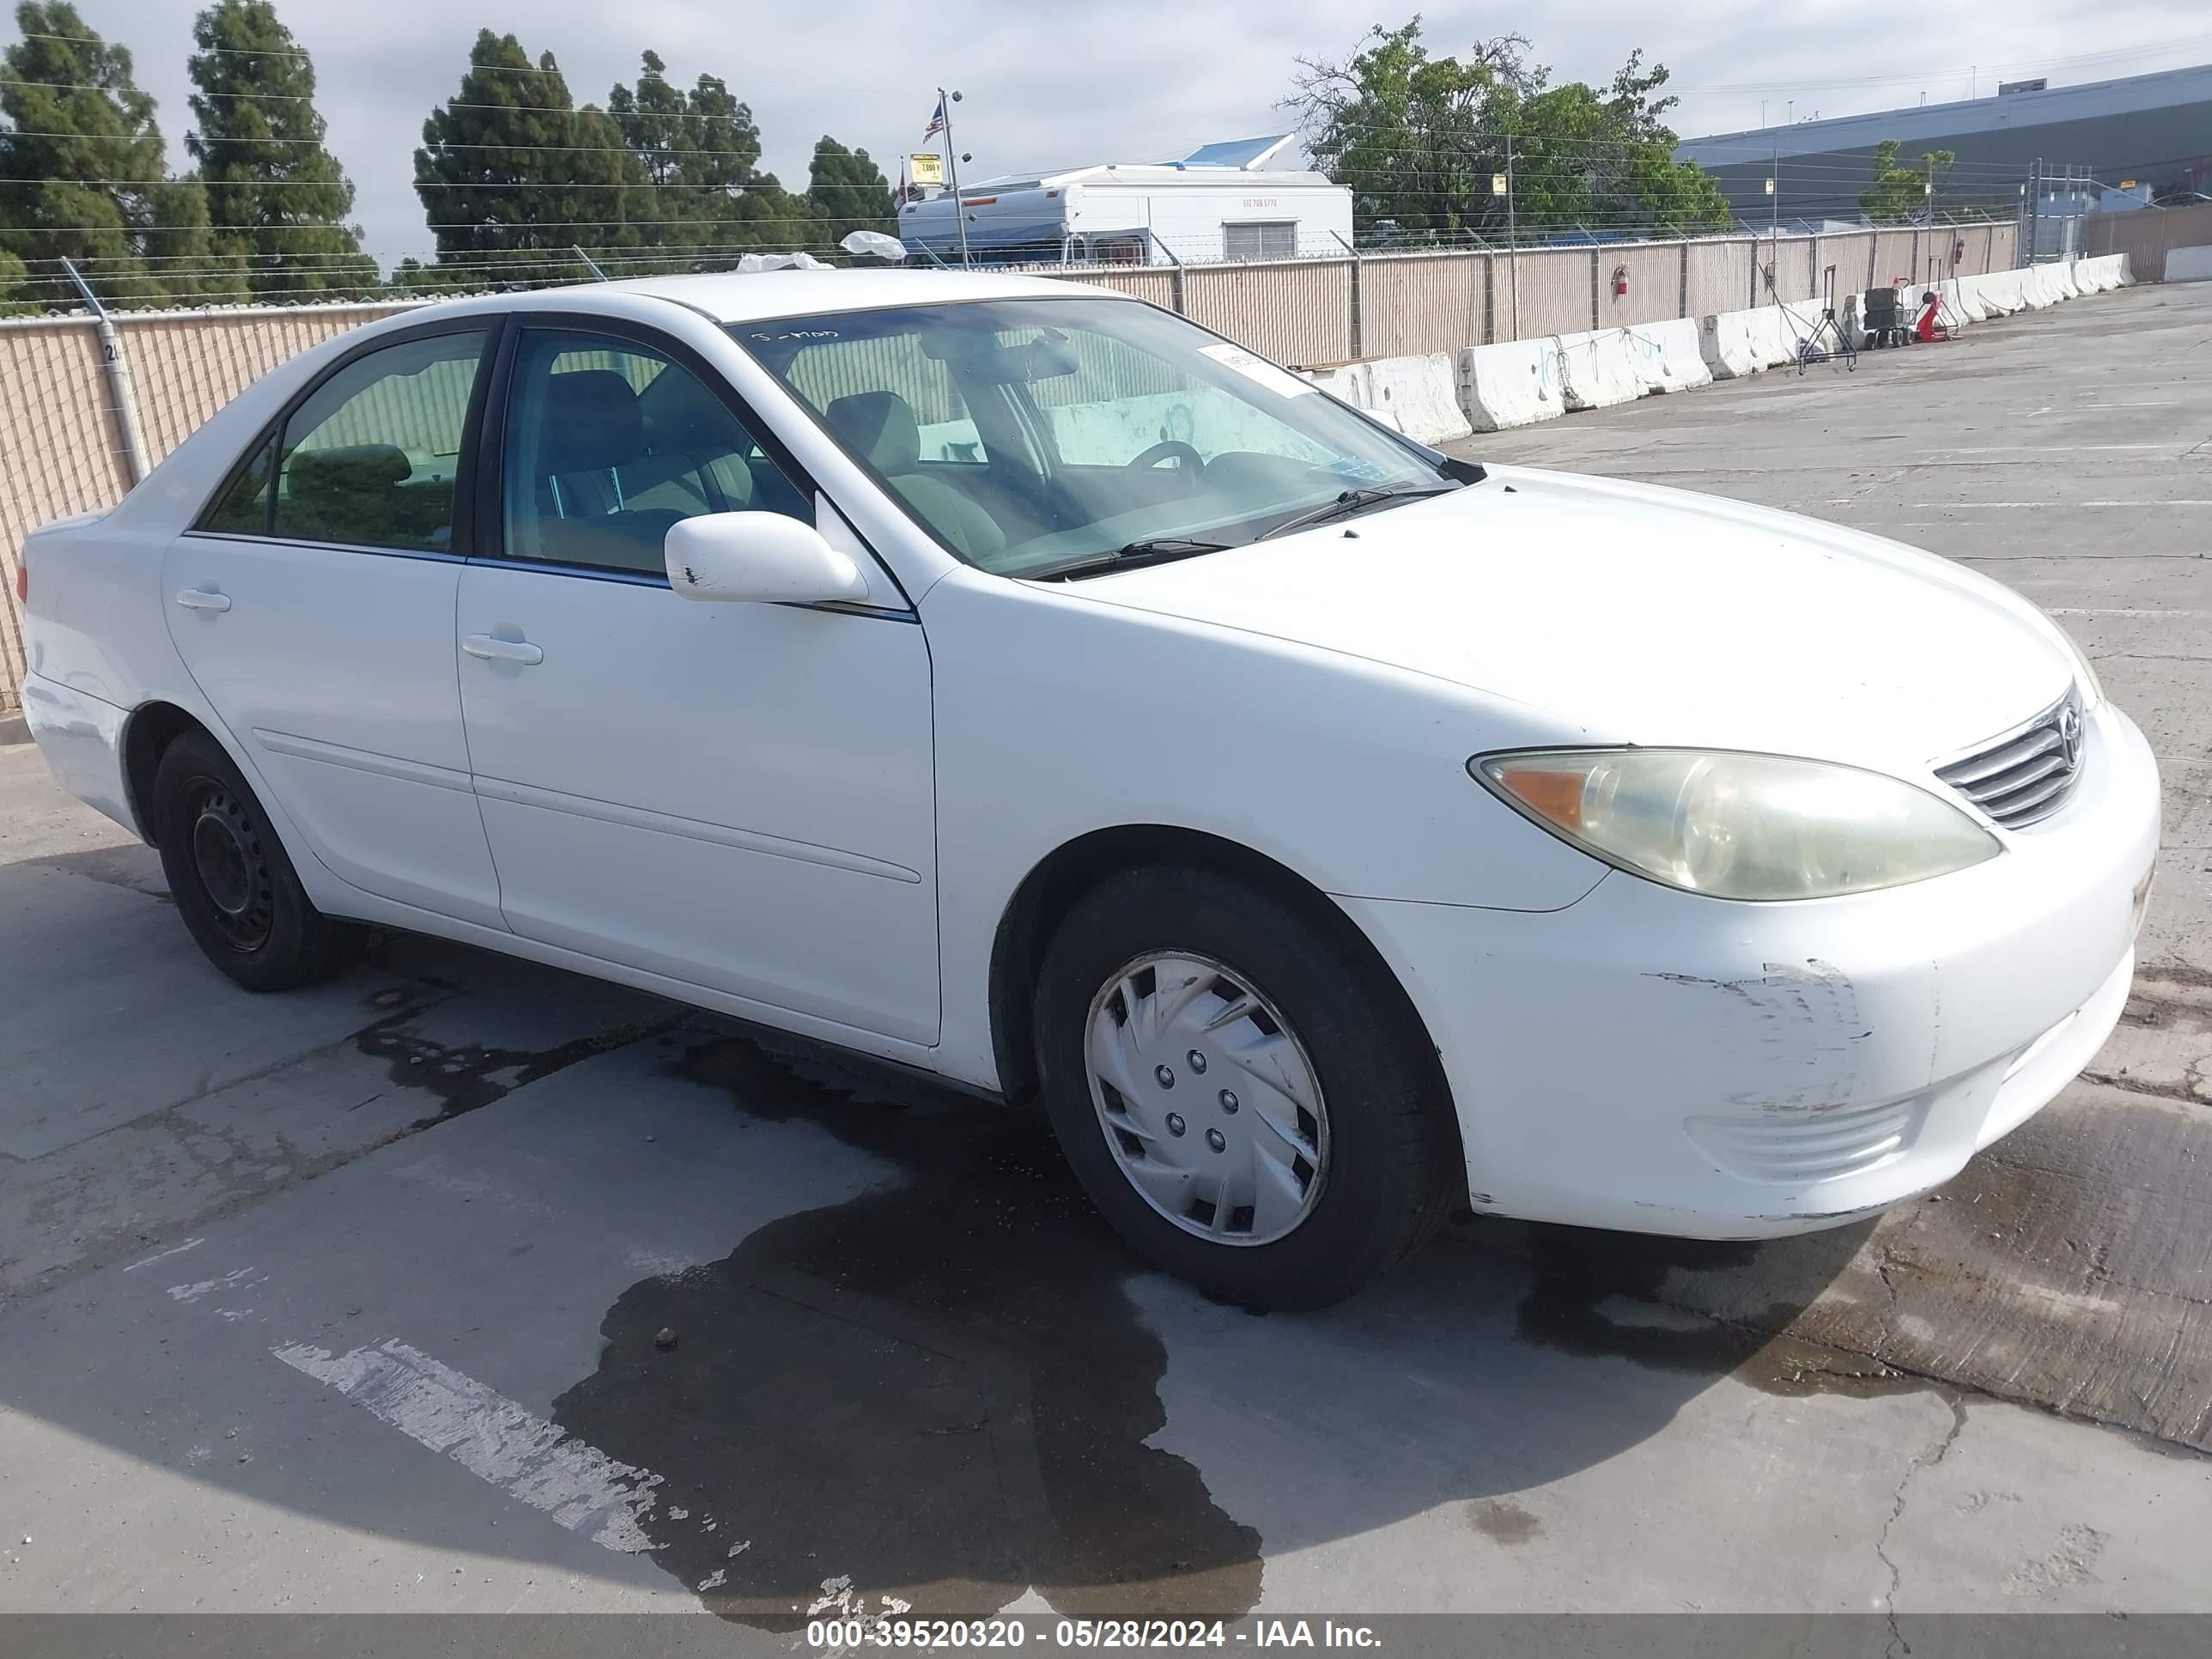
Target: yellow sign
(926, 168)
(2127, 184)
(1497, 183)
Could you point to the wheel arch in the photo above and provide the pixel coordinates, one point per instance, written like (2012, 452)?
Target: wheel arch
(1053, 885)
(147, 735)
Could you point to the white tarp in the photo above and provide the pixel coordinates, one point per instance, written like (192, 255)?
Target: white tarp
(1513, 383)
(1667, 356)
(1597, 369)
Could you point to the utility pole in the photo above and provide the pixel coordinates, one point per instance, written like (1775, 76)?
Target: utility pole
(1774, 224)
(2034, 209)
(945, 102)
(1512, 238)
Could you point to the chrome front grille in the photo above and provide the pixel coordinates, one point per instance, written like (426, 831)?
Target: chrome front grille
(2027, 773)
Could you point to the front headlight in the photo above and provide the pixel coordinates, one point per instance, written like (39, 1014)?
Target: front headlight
(1739, 826)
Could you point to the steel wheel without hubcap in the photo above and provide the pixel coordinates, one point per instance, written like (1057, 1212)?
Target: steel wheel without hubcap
(233, 874)
(1206, 1098)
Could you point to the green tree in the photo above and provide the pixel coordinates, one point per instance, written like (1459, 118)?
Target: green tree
(277, 198)
(511, 172)
(12, 278)
(1420, 137)
(705, 199)
(847, 192)
(1904, 192)
(83, 174)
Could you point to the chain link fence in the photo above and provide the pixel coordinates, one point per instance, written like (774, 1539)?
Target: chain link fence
(62, 450)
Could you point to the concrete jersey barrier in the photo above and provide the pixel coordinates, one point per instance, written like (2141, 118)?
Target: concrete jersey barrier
(1728, 340)
(1513, 383)
(1350, 383)
(1960, 302)
(1668, 356)
(1597, 369)
(2001, 294)
(1417, 396)
(1420, 395)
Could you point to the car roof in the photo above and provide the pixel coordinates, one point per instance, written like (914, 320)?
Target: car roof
(735, 297)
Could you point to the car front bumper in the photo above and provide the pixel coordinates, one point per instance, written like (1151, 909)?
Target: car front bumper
(1656, 1061)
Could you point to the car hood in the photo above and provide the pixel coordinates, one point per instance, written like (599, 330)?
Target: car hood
(1628, 613)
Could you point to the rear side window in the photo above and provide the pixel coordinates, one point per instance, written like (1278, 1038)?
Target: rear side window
(369, 460)
(243, 508)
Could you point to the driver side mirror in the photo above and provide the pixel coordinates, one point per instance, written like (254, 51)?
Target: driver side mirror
(766, 558)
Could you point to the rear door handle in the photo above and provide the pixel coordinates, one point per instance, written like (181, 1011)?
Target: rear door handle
(497, 650)
(199, 598)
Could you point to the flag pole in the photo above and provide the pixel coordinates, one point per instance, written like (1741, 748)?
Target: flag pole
(953, 166)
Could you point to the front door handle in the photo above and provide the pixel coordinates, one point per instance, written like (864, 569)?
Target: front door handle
(200, 599)
(498, 650)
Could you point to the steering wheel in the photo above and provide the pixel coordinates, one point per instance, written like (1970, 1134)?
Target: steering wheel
(1193, 462)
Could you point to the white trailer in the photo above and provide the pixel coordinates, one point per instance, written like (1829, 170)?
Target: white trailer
(1220, 202)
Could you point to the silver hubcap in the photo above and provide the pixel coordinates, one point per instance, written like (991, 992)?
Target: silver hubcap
(1207, 1099)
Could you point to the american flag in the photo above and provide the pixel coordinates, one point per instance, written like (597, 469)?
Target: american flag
(936, 123)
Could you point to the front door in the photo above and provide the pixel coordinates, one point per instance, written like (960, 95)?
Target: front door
(314, 604)
(736, 796)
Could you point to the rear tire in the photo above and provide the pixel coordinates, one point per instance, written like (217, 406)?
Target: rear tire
(1241, 1091)
(233, 885)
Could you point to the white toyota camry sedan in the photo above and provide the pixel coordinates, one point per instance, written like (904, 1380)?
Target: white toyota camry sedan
(1015, 681)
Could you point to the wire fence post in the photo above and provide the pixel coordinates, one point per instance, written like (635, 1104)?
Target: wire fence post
(115, 366)
(1358, 317)
(1175, 276)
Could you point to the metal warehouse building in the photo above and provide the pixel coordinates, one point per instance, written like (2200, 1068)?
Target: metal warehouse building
(2154, 130)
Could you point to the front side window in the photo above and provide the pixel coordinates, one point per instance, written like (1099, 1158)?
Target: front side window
(1030, 434)
(370, 459)
(609, 443)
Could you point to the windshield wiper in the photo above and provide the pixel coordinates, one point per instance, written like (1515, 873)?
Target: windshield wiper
(1355, 501)
(1157, 550)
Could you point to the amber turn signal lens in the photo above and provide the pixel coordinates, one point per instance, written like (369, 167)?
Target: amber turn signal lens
(1556, 796)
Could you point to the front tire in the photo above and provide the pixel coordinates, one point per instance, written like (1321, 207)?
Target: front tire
(1240, 1089)
(233, 885)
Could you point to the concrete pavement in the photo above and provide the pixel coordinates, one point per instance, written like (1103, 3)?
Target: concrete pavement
(458, 1285)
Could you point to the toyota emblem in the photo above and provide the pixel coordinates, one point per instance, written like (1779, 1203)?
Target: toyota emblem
(2069, 735)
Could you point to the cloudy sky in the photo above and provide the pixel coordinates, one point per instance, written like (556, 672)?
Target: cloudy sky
(1073, 82)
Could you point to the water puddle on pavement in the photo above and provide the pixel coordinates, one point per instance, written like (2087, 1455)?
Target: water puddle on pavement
(938, 1392)
(1600, 1294)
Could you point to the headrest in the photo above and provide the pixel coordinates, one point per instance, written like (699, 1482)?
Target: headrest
(880, 426)
(682, 417)
(592, 423)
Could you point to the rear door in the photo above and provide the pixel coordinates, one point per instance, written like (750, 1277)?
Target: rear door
(314, 604)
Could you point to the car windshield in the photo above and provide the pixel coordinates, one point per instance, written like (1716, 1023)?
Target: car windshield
(1040, 436)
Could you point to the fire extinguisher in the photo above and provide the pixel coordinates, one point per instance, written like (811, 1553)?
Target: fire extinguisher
(1620, 281)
